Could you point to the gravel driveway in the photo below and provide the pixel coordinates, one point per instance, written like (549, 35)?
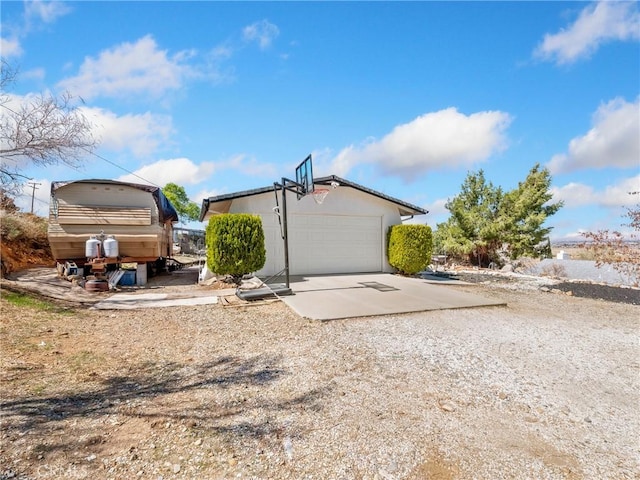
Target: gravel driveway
(547, 387)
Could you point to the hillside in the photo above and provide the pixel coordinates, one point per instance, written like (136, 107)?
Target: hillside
(23, 242)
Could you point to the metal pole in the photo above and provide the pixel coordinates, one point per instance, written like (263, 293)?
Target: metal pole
(286, 231)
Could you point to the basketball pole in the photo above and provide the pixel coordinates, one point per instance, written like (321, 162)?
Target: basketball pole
(283, 217)
(303, 185)
(285, 229)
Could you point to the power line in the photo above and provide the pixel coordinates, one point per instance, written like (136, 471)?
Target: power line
(121, 168)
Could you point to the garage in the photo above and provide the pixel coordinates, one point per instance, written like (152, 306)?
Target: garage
(344, 234)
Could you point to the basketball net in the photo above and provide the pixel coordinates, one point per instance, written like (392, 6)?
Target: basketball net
(319, 194)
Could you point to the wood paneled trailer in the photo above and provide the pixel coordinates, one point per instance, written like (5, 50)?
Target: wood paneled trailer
(139, 217)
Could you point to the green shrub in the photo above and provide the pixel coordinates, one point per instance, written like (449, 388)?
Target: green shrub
(409, 247)
(235, 244)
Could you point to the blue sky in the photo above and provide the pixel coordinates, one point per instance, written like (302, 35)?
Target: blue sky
(402, 97)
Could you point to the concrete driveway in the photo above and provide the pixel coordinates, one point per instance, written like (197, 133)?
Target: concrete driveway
(330, 297)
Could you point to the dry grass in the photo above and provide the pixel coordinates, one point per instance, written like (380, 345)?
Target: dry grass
(15, 226)
(554, 271)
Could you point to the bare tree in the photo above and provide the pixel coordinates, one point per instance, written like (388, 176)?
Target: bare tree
(41, 130)
(615, 249)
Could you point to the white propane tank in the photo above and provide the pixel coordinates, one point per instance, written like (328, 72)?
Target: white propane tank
(111, 247)
(92, 247)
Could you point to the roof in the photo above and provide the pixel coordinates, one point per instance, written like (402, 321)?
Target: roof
(405, 208)
(166, 210)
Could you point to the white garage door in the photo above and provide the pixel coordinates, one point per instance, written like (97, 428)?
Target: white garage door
(335, 244)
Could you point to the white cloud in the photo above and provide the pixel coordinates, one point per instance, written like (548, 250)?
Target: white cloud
(180, 171)
(597, 23)
(36, 12)
(34, 74)
(573, 195)
(438, 207)
(612, 142)
(10, 47)
(142, 134)
(183, 171)
(202, 194)
(612, 196)
(47, 12)
(615, 196)
(247, 165)
(139, 68)
(446, 138)
(262, 32)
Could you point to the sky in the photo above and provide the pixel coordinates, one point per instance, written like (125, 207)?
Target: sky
(406, 98)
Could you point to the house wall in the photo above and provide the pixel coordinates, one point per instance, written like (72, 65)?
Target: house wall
(343, 201)
(136, 237)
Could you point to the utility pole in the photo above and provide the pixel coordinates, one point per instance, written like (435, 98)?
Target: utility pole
(33, 185)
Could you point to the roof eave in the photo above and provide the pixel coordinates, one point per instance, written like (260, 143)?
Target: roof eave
(404, 208)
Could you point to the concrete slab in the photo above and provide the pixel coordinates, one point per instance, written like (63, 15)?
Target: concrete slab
(123, 301)
(362, 295)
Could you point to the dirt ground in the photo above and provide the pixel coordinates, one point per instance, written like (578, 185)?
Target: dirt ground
(547, 387)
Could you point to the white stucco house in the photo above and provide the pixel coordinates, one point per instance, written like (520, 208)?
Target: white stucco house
(345, 234)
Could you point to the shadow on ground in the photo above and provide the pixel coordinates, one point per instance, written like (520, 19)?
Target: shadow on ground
(152, 392)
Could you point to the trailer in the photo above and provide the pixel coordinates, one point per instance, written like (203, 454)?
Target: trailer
(96, 225)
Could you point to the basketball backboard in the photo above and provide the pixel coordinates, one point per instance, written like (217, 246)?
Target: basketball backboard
(304, 177)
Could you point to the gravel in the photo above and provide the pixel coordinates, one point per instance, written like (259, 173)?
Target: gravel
(545, 388)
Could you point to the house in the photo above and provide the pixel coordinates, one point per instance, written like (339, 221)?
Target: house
(139, 217)
(345, 234)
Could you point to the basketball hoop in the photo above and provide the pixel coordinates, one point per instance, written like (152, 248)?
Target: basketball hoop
(319, 194)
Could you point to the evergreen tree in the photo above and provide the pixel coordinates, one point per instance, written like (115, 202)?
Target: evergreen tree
(473, 228)
(524, 211)
(485, 220)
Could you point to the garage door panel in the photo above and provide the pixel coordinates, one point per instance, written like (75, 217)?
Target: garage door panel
(335, 244)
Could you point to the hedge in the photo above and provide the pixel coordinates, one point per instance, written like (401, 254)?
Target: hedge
(409, 247)
(235, 244)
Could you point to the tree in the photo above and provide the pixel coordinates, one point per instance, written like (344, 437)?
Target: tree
(615, 249)
(187, 210)
(484, 220)
(472, 229)
(39, 129)
(524, 211)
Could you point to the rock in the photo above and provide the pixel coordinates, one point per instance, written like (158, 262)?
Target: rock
(198, 442)
(176, 468)
(448, 406)
(507, 268)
